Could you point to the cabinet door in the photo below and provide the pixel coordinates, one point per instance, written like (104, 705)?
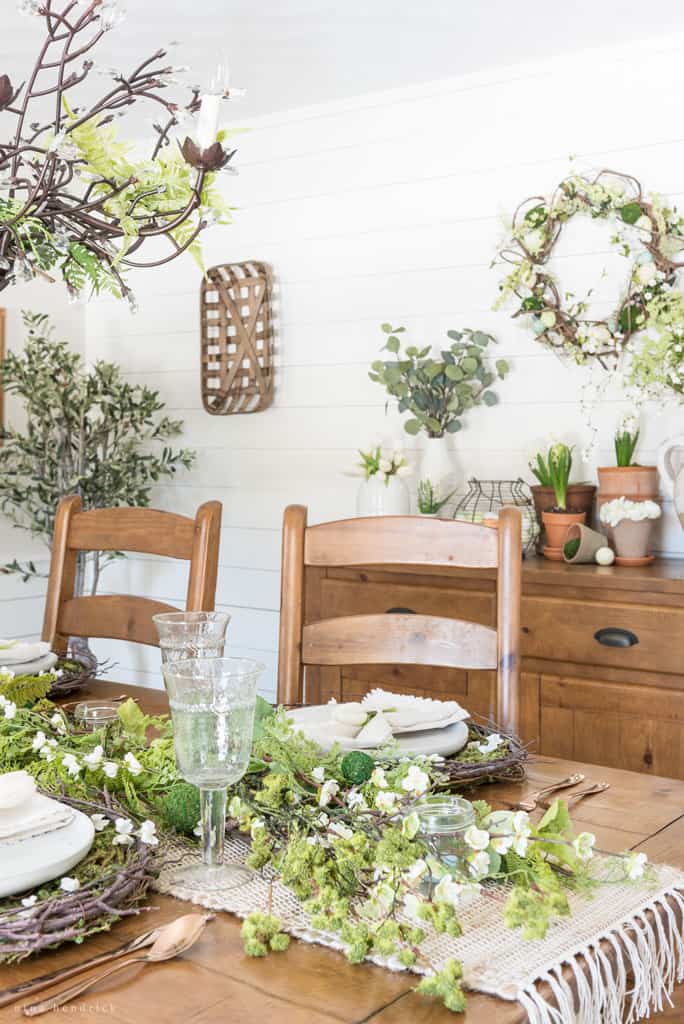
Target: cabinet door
(639, 728)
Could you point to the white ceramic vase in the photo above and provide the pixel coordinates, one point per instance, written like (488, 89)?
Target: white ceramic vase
(437, 463)
(377, 498)
(671, 471)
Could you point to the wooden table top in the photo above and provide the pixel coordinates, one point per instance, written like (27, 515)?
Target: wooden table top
(215, 981)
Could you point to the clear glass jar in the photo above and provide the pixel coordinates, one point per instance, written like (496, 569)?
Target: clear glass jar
(95, 714)
(443, 822)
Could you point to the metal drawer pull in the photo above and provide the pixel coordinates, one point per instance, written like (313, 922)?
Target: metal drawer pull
(612, 636)
(400, 611)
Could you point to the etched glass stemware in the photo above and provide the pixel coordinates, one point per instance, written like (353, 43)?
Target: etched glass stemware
(191, 634)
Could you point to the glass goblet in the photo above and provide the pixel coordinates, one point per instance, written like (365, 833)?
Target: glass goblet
(212, 704)
(191, 634)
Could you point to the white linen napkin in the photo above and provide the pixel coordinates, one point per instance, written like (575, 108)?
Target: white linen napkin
(14, 652)
(402, 710)
(37, 816)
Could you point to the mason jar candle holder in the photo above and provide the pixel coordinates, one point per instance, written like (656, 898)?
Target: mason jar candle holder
(95, 714)
(442, 823)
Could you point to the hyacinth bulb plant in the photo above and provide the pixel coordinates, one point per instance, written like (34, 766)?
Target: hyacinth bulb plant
(627, 479)
(552, 469)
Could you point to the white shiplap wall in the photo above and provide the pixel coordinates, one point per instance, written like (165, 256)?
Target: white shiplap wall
(388, 207)
(21, 604)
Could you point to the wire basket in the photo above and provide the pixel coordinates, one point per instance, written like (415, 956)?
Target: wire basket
(486, 497)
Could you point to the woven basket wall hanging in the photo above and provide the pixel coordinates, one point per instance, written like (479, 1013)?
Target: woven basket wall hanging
(237, 338)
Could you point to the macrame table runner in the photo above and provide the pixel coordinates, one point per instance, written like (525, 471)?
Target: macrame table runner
(644, 925)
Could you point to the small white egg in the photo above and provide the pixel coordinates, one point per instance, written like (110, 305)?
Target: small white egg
(351, 714)
(605, 556)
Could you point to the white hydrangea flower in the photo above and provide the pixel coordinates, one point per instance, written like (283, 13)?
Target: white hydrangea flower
(29, 901)
(386, 801)
(416, 781)
(124, 832)
(147, 833)
(132, 763)
(613, 512)
(635, 863)
(378, 778)
(71, 763)
(584, 845)
(338, 828)
(111, 769)
(329, 789)
(93, 759)
(99, 821)
(318, 773)
(476, 838)
(479, 863)
(69, 884)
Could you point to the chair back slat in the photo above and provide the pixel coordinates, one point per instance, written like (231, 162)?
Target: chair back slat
(399, 639)
(401, 540)
(122, 616)
(133, 529)
(126, 617)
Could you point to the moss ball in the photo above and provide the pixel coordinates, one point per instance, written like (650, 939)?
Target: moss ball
(357, 767)
(181, 807)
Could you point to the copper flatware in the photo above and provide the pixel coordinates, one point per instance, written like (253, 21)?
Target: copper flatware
(580, 794)
(530, 802)
(172, 940)
(10, 995)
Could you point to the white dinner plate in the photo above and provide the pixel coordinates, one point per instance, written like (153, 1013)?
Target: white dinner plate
(30, 862)
(316, 723)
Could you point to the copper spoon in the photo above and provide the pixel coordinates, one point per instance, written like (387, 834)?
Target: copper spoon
(173, 939)
(530, 802)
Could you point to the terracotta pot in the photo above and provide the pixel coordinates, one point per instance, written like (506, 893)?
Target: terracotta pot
(580, 499)
(556, 527)
(632, 541)
(638, 483)
(589, 543)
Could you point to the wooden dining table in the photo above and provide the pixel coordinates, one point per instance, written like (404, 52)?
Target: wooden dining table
(215, 982)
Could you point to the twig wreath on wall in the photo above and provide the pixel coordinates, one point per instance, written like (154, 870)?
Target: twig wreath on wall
(643, 339)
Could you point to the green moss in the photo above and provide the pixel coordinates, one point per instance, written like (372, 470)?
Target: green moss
(357, 767)
(181, 808)
(571, 548)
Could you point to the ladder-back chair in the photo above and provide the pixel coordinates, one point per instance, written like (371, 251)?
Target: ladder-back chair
(397, 638)
(125, 616)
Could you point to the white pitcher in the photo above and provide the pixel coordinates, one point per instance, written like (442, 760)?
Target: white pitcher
(671, 471)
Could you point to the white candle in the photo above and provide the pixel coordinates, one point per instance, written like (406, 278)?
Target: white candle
(207, 125)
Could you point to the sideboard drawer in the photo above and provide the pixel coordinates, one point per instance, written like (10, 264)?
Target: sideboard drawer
(565, 630)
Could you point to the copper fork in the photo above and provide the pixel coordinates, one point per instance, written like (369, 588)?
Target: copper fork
(531, 801)
(574, 798)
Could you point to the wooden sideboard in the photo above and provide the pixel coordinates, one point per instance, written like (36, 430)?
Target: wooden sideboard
(581, 699)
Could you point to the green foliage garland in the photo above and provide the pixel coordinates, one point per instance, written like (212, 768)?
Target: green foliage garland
(644, 337)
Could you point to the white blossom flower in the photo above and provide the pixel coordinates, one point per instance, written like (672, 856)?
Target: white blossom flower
(47, 751)
(111, 769)
(356, 800)
(476, 838)
(29, 901)
(634, 865)
(410, 825)
(132, 763)
(71, 764)
(386, 801)
(338, 828)
(450, 891)
(318, 773)
(490, 744)
(416, 781)
(99, 821)
(322, 820)
(235, 807)
(584, 845)
(521, 832)
(147, 833)
(39, 740)
(124, 832)
(69, 884)
(646, 273)
(502, 844)
(378, 778)
(479, 863)
(412, 905)
(329, 789)
(8, 706)
(534, 240)
(416, 871)
(386, 466)
(57, 723)
(93, 759)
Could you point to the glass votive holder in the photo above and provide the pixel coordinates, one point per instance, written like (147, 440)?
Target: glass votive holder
(96, 714)
(443, 821)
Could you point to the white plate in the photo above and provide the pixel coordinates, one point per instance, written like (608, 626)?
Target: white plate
(315, 722)
(30, 862)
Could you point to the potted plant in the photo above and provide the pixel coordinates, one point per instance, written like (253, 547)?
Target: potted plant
(580, 497)
(627, 479)
(557, 519)
(632, 524)
(438, 392)
(429, 504)
(383, 491)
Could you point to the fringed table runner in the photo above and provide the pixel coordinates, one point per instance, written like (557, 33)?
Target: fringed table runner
(641, 924)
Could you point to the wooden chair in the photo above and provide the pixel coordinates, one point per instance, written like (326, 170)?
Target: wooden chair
(123, 616)
(401, 638)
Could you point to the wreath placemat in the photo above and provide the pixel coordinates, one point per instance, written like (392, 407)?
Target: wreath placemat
(644, 336)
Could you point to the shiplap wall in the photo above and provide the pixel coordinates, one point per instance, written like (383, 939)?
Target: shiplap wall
(389, 207)
(21, 604)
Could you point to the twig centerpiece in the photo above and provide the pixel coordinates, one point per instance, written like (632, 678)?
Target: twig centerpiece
(71, 195)
(644, 336)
